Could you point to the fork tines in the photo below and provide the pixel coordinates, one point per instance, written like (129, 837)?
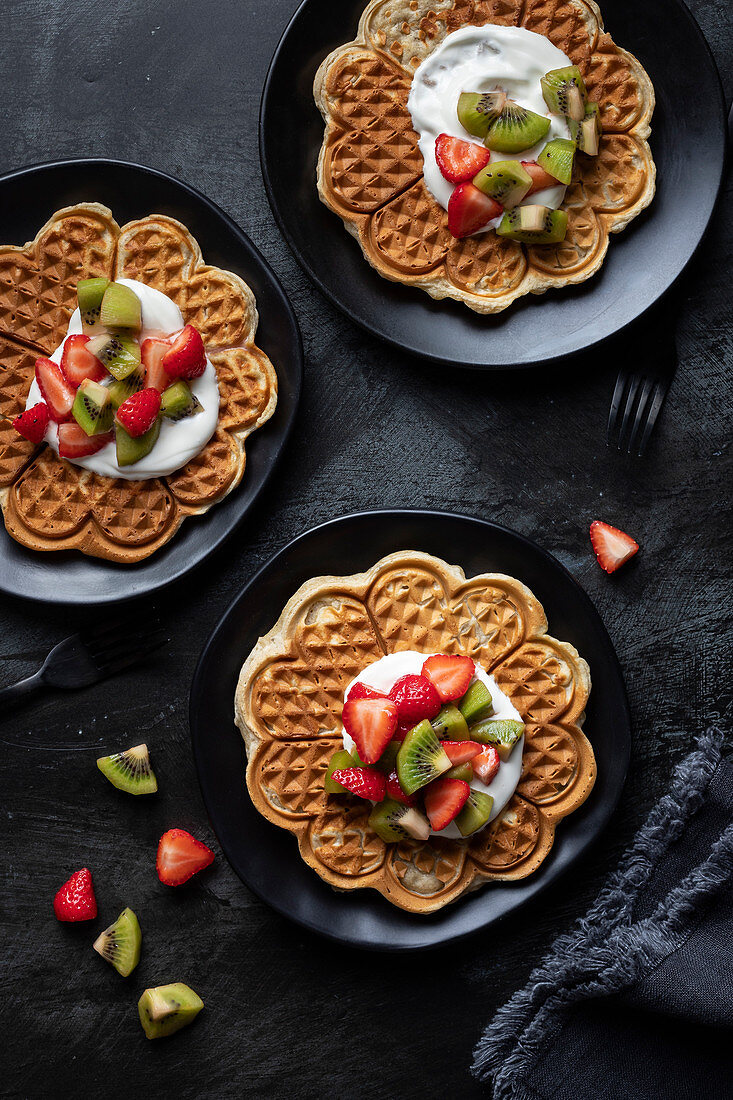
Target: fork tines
(635, 406)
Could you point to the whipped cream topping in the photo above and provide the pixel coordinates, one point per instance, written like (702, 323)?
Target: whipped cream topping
(179, 441)
(383, 674)
(480, 59)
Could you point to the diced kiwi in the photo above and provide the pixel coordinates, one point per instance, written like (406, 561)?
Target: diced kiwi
(421, 758)
(120, 943)
(476, 702)
(460, 771)
(90, 293)
(391, 820)
(167, 1008)
(505, 181)
(516, 129)
(475, 813)
(340, 759)
(534, 225)
(477, 110)
(92, 408)
(557, 159)
(122, 388)
(130, 770)
(503, 733)
(120, 354)
(120, 307)
(388, 760)
(177, 401)
(587, 133)
(131, 449)
(449, 724)
(564, 91)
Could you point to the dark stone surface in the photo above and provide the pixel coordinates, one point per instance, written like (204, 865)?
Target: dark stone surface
(177, 85)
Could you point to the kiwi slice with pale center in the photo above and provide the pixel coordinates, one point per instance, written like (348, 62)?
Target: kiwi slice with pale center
(477, 110)
(557, 158)
(505, 181)
(119, 354)
(392, 820)
(449, 724)
(564, 91)
(421, 758)
(92, 408)
(90, 293)
(587, 133)
(515, 129)
(130, 770)
(503, 733)
(120, 943)
(475, 813)
(534, 225)
(476, 702)
(121, 388)
(167, 1008)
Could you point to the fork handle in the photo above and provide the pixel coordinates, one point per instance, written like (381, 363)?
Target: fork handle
(22, 688)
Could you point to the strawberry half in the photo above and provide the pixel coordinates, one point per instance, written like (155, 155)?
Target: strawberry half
(186, 357)
(612, 547)
(415, 698)
(138, 412)
(450, 675)
(180, 856)
(57, 392)
(444, 800)
(459, 160)
(394, 790)
(33, 422)
(371, 723)
(75, 900)
(470, 210)
(363, 782)
(540, 178)
(486, 764)
(460, 752)
(363, 691)
(75, 443)
(152, 353)
(79, 364)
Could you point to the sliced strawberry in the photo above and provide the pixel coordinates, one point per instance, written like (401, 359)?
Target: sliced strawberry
(363, 782)
(371, 723)
(78, 364)
(33, 422)
(612, 547)
(460, 752)
(459, 160)
(138, 412)
(363, 691)
(415, 698)
(470, 210)
(403, 728)
(57, 392)
(152, 352)
(444, 800)
(394, 790)
(540, 178)
(75, 443)
(180, 856)
(451, 675)
(486, 764)
(75, 900)
(186, 357)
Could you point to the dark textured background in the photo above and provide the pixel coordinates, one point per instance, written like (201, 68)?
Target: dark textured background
(176, 85)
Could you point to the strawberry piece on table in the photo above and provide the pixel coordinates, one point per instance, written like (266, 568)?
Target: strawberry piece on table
(57, 392)
(451, 675)
(186, 357)
(611, 546)
(460, 752)
(470, 210)
(75, 443)
(444, 800)
(394, 790)
(370, 723)
(32, 423)
(363, 782)
(180, 856)
(486, 764)
(459, 160)
(415, 698)
(152, 353)
(78, 364)
(75, 900)
(138, 412)
(540, 178)
(363, 691)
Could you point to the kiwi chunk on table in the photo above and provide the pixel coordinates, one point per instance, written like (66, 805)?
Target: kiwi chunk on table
(120, 943)
(130, 771)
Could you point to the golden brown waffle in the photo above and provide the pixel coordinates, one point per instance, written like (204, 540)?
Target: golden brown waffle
(288, 708)
(370, 168)
(49, 504)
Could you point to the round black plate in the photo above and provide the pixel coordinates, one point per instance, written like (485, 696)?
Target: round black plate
(27, 199)
(688, 143)
(266, 857)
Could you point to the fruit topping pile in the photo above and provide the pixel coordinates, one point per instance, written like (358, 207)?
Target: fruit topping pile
(109, 386)
(420, 747)
(487, 189)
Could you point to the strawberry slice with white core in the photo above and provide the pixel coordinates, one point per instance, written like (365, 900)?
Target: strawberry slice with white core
(540, 178)
(363, 782)
(180, 856)
(152, 352)
(612, 547)
(486, 764)
(57, 392)
(370, 723)
(459, 160)
(33, 422)
(470, 210)
(75, 443)
(451, 675)
(460, 752)
(363, 691)
(186, 357)
(78, 364)
(444, 800)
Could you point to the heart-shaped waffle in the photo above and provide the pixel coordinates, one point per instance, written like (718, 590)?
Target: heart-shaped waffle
(290, 696)
(49, 504)
(370, 168)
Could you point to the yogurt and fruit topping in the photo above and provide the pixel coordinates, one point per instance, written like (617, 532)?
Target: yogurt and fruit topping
(130, 392)
(433, 742)
(529, 107)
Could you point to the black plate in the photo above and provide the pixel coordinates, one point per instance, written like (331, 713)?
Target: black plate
(27, 199)
(266, 857)
(688, 143)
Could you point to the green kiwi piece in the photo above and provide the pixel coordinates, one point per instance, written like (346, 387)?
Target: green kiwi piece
(557, 159)
(92, 408)
(339, 760)
(475, 813)
(477, 110)
(177, 401)
(167, 1008)
(130, 770)
(449, 724)
(121, 388)
(120, 943)
(564, 91)
(587, 133)
(130, 449)
(391, 820)
(502, 733)
(120, 307)
(421, 758)
(120, 354)
(388, 760)
(534, 225)
(505, 181)
(516, 129)
(460, 771)
(476, 702)
(90, 293)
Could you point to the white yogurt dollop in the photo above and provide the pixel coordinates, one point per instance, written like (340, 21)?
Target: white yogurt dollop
(480, 59)
(178, 442)
(383, 674)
